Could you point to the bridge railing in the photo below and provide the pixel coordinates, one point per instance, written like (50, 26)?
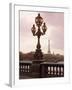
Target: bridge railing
(24, 69)
(46, 69)
(52, 70)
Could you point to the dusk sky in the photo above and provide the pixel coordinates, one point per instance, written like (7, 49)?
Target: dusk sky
(55, 32)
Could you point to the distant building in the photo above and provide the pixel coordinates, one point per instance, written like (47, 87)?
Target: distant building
(49, 52)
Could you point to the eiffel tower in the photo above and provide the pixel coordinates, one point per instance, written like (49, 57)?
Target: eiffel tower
(49, 52)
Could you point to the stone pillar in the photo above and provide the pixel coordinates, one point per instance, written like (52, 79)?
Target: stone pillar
(36, 69)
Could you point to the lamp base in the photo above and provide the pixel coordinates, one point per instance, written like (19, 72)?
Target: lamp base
(38, 54)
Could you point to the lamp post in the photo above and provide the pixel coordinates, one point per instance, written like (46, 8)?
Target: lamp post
(39, 21)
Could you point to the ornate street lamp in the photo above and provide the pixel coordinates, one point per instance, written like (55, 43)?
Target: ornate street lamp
(39, 21)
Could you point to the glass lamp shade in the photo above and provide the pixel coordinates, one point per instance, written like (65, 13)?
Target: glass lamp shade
(44, 28)
(38, 20)
(33, 29)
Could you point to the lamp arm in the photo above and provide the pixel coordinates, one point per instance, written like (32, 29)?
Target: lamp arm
(42, 33)
(34, 34)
